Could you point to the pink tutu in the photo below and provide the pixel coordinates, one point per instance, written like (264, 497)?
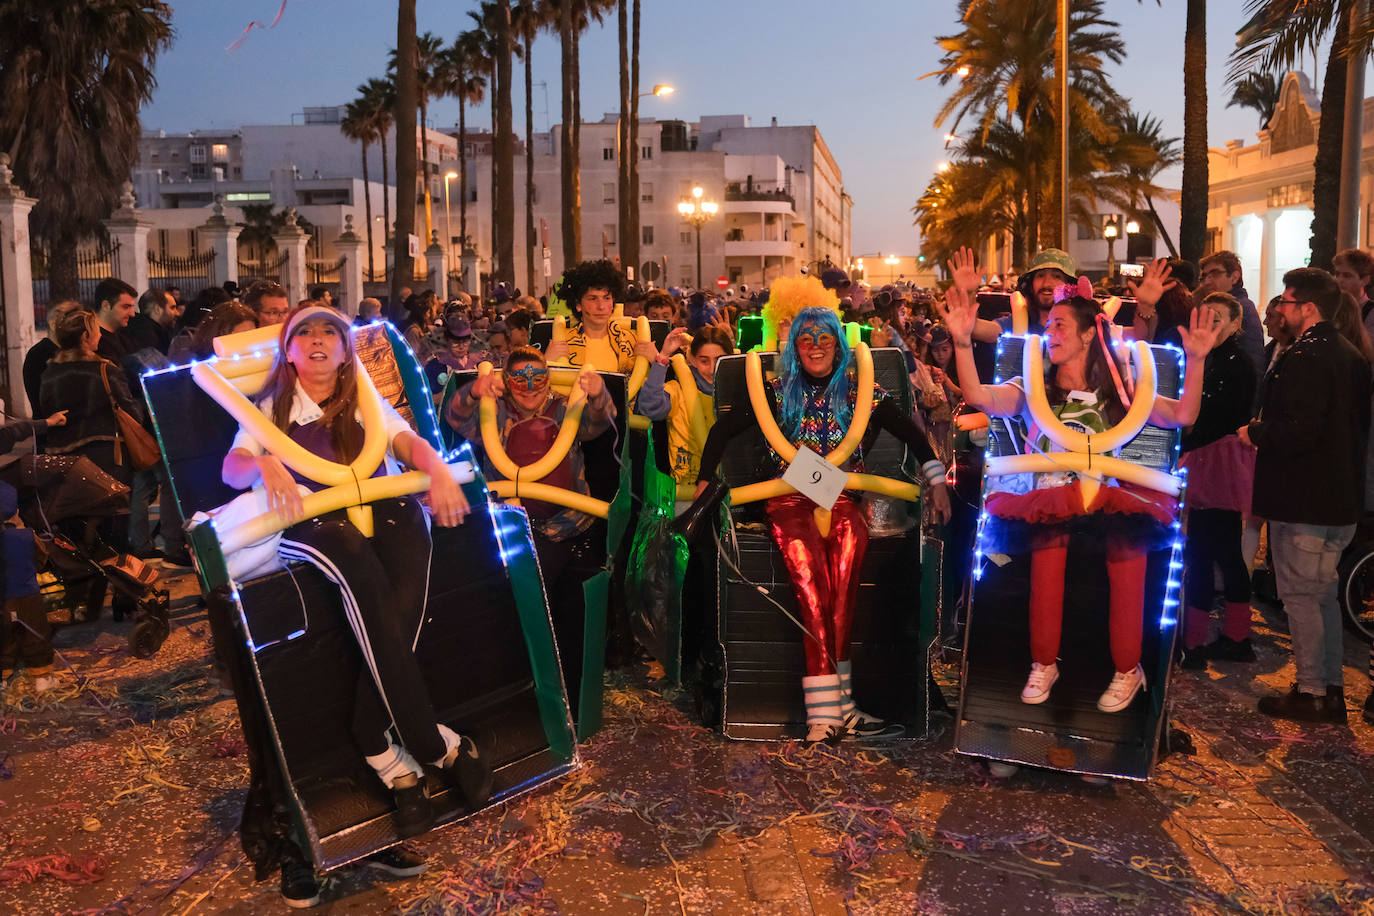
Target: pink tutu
(1221, 475)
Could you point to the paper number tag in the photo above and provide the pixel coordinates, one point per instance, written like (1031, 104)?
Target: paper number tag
(815, 478)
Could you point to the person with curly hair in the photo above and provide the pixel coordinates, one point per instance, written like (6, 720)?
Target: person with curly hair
(591, 290)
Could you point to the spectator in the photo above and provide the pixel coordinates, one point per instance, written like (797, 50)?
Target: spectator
(322, 295)
(1221, 470)
(1311, 435)
(1221, 273)
(423, 312)
(205, 300)
(1353, 269)
(369, 310)
(269, 300)
(659, 306)
(498, 344)
(518, 327)
(226, 318)
(41, 353)
(157, 316)
(114, 306)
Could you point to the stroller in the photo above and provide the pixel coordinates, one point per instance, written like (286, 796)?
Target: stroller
(64, 499)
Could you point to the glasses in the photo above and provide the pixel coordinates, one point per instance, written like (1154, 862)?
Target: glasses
(530, 377)
(1215, 272)
(1278, 302)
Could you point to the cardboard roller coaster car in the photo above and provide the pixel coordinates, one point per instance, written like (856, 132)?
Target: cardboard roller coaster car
(1067, 731)
(606, 469)
(899, 590)
(486, 647)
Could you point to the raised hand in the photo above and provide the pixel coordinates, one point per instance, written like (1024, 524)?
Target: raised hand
(1151, 287)
(960, 313)
(646, 349)
(678, 339)
(1201, 334)
(488, 386)
(963, 271)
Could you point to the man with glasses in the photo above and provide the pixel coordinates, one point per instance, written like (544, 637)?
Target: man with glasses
(269, 300)
(1221, 273)
(1311, 433)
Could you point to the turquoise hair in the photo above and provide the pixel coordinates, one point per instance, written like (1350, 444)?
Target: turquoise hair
(792, 375)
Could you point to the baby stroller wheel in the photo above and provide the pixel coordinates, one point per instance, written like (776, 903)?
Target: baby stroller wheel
(152, 626)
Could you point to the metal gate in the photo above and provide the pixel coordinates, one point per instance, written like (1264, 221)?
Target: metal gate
(92, 266)
(192, 273)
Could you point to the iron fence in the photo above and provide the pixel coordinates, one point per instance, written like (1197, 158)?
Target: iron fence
(92, 266)
(268, 268)
(192, 273)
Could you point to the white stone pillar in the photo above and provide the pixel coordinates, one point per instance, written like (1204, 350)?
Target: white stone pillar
(1269, 278)
(472, 278)
(18, 286)
(292, 241)
(129, 232)
(223, 237)
(350, 247)
(436, 262)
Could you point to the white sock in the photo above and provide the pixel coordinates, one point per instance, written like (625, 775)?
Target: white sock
(393, 763)
(451, 740)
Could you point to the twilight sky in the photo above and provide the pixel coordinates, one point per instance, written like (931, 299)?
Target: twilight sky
(852, 69)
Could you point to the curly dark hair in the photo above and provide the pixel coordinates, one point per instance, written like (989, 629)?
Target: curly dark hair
(591, 275)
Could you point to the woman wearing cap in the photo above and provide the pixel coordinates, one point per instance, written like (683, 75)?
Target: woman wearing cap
(813, 398)
(529, 414)
(591, 289)
(311, 394)
(1039, 513)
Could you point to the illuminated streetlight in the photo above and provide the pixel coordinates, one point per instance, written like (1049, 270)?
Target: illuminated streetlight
(1110, 232)
(942, 167)
(891, 261)
(962, 72)
(698, 212)
(663, 89)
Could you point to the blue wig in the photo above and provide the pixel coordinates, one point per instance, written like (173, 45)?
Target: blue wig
(792, 376)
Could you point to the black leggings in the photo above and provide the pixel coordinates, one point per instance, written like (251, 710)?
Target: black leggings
(384, 581)
(1214, 538)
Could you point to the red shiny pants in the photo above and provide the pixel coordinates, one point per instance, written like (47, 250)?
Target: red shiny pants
(824, 572)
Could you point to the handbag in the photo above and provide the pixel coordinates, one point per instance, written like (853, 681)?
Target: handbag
(143, 450)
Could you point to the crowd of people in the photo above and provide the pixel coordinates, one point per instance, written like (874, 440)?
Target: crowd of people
(1274, 411)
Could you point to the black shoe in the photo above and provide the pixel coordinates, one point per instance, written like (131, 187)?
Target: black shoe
(466, 770)
(1368, 712)
(862, 725)
(299, 889)
(413, 815)
(1300, 707)
(1335, 703)
(1194, 659)
(398, 862)
(147, 553)
(177, 559)
(1226, 649)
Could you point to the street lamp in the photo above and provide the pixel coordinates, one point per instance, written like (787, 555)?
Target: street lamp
(698, 212)
(891, 261)
(1110, 231)
(448, 219)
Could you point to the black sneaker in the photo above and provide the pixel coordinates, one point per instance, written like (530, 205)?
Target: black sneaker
(1194, 659)
(1300, 707)
(413, 815)
(299, 889)
(869, 728)
(466, 770)
(1226, 649)
(1335, 703)
(398, 862)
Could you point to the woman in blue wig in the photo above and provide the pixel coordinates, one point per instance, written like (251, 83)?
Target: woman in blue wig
(813, 400)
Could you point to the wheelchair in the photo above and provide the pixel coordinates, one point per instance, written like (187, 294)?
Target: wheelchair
(1067, 732)
(756, 643)
(486, 648)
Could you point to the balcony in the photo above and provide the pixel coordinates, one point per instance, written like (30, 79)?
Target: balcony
(755, 197)
(756, 248)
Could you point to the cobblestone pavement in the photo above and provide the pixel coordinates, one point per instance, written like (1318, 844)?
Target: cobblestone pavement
(119, 793)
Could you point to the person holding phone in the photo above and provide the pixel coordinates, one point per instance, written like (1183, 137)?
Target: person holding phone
(813, 400)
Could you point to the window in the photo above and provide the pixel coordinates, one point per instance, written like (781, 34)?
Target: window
(608, 232)
(646, 191)
(154, 155)
(685, 236)
(646, 152)
(734, 235)
(176, 154)
(198, 170)
(608, 153)
(608, 192)
(220, 151)
(238, 173)
(197, 154)
(192, 241)
(646, 235)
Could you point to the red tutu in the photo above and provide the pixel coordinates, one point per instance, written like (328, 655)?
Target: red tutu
(1125, 514)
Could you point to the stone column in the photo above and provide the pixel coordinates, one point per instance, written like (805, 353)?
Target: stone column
(292, 241)
(17, 292)
(472, 278)
(223, 237)
(129, 231)
(1269, 279)
(351, 273)
(436, 261)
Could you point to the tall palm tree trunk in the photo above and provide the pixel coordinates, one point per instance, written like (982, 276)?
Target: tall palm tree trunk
(577, 132)
(424, 169)
(386, 196)
(463, 167)
(1033, 206)
(569, 179)
(505, 188)
(367, 209)
(1326, 185)
(407, 92)
(631, 250)
(1192, 227)
(622, 138)
(531, 236)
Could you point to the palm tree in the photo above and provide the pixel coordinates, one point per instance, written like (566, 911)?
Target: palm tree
(428, 48)
(1258, 91)
(497, 30)
(1139, 155)
(570, 172)
(529, 21)
(630, 252)
(378, 96)
(358, 125)
(1003, 59)
(73, 76)
(407, 98)
(465, 69)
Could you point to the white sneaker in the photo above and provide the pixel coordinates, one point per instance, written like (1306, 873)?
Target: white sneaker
(1042, 678)
(44, 683)
(1000, 769)
(1122, 690)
